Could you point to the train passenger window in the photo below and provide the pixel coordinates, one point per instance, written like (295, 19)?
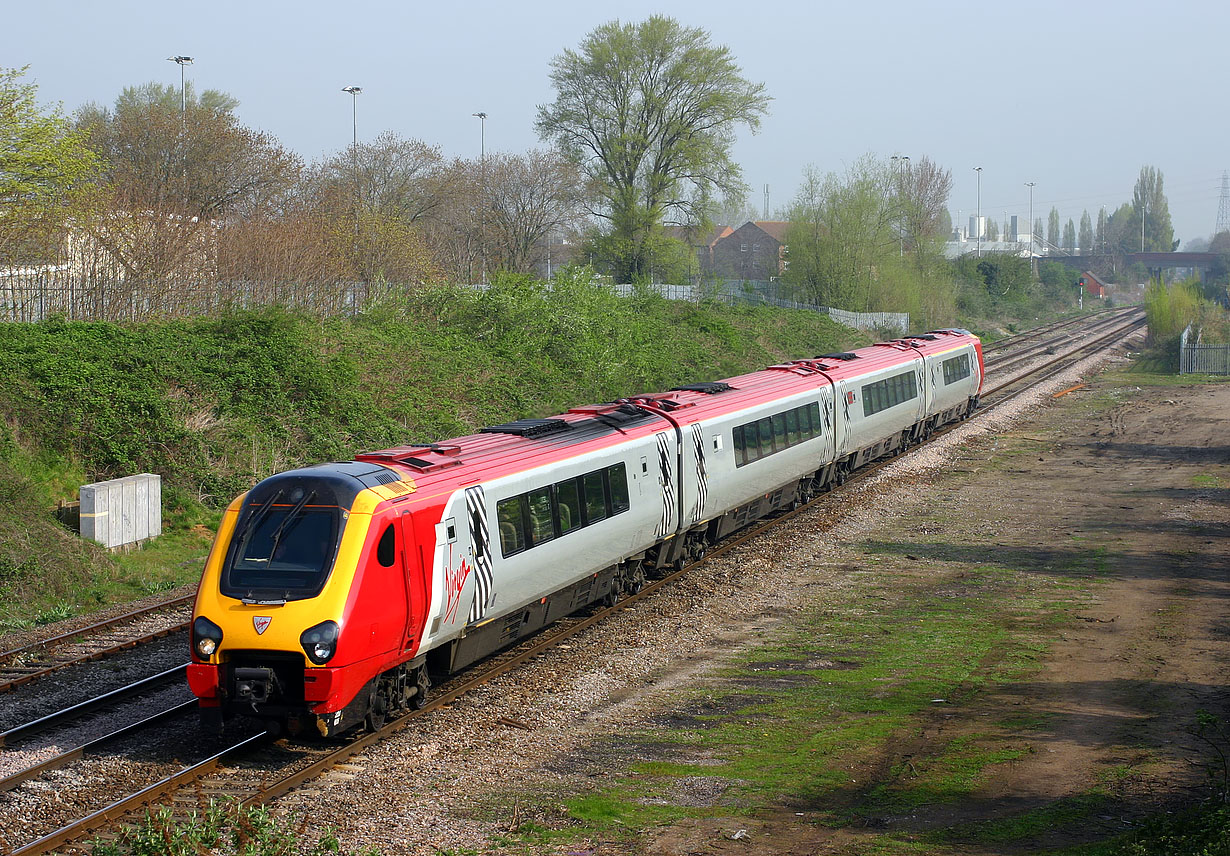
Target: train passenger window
(766, 436)
(386, 550)
(512, 525)
(568, 506)
(618, 476)
(779, 431)
(737, 443)
(595, 497)
(542, 520)
(814, 410)
(956, 369)
(751, 442)
(792, 426)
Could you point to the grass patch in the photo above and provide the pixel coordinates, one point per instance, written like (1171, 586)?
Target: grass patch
(795, 719)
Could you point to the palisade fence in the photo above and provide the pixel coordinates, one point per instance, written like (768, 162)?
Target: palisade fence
(27, 296)
(1195, 358)
(36, 294)
(735, 292)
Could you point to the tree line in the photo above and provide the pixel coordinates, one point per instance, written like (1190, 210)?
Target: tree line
(636, 141)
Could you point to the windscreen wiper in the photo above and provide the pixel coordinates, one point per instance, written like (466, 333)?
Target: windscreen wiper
(286, 522)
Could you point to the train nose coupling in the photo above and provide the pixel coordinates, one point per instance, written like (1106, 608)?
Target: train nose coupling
(255, 684)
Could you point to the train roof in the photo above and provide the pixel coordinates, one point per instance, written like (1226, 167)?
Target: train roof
(525, 444)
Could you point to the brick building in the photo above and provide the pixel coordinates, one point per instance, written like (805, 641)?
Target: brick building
(756, 250)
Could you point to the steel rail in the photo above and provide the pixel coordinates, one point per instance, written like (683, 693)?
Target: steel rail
(1003, 360)
(22, 677)
(142, 798)
(1025, 335)
(55, 762)
(89, 706)
(97, 627)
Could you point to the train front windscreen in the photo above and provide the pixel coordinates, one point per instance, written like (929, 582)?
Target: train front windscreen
(283, 547)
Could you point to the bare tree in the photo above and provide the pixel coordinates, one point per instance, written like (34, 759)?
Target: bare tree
(922, 188)
(401, 178)
(528, 197)
(171, 176)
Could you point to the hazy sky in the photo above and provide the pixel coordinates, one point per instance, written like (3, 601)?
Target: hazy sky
(1074, 95)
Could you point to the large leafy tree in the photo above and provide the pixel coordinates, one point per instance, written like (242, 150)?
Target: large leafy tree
(42, 166)
(648, 111)
(1149, 204)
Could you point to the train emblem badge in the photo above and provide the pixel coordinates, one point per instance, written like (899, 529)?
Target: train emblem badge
(261, 623)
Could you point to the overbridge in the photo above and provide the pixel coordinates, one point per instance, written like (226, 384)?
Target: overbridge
(1153, 261)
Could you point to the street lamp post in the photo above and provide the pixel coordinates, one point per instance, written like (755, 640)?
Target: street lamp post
(978, 215)
(354, 136)
(482, 188)
(182, 61)
(183, 98)
(354, 91)
(899, 162)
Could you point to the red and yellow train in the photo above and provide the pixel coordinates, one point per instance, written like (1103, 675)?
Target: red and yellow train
(333, 593)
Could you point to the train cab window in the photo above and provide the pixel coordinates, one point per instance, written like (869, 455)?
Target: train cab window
(386, 550)
(512, 525)
(542, 520)
(595, 497)
(618, 476)
(568, 506)
(282, 552)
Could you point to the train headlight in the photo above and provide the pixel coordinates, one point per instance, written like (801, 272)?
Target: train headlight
(320, 642)
(206, 637)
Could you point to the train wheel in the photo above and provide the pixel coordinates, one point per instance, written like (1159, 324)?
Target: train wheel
(378, 713)
(422, 683)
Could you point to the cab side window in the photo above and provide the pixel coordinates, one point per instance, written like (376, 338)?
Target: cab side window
(386, 549)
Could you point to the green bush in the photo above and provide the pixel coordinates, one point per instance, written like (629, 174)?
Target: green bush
(223, 829)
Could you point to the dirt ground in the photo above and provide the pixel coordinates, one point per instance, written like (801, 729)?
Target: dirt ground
(1139, 478)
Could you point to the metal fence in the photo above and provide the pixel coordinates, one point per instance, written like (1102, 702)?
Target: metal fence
(36, 294)
(27, 296)
(760, 293)
(1195, 358)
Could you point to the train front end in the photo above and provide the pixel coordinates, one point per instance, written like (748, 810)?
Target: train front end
(271, 631)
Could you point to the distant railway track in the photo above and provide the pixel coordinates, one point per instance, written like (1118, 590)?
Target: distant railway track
(37, 659)
(259, 769)
(1055, 339)
(1028, 337)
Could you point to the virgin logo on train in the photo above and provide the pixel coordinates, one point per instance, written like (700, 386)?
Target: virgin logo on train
(261, 623)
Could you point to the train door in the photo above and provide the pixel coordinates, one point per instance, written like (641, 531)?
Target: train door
(668, 458)
(416, 564)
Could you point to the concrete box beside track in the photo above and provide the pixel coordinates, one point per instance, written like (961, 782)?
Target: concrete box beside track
(122, 511)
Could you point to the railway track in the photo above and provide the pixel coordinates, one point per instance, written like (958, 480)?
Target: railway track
(1057, 337)
(31, 661)
(259, 768)
(1029, 337)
